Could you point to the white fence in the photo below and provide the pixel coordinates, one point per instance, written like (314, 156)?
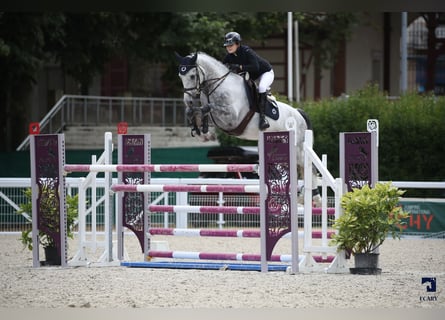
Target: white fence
(12, 195)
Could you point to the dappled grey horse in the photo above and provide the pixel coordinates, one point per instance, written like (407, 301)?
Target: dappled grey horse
(212, 91)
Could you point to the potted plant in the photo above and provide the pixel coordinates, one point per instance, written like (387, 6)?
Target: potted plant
(51, 212)
(370, 215)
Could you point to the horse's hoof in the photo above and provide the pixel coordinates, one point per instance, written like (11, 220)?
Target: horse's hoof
(316, 200)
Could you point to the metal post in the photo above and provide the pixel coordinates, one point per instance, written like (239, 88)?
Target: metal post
(62, 201)
(297, 63)
(404, 54)
(109, 203)
(263, 196)
(119, 226)
(34, 195)
(293, 201)
(289, 58)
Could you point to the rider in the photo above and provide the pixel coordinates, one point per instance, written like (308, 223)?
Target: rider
(242, 58)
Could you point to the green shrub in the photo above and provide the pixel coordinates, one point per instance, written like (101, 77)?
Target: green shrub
(369, 216)
(411, 133)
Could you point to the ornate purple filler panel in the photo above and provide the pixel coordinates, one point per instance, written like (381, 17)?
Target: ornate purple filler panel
(47, 179)
(133, 152)
(277, 179)
(358, 159)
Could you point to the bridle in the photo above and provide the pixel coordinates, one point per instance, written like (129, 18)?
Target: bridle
(198, 114)
(206, 86)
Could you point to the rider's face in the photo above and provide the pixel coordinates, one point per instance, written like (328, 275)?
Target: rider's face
(232, 48)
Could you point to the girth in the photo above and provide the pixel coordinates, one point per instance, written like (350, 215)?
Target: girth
(242, 126)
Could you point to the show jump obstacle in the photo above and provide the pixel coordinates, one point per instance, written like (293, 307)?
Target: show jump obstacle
(277, 188)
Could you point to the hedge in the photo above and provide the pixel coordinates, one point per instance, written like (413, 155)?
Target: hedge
(411, 132)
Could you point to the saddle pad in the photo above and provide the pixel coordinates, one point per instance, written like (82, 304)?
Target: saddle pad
(272, 109)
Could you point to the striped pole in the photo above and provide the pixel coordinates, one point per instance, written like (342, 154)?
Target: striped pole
(205, 209)
(222, 233)
(223, 209)
(161, 168)
(227, 256)
(185, 188)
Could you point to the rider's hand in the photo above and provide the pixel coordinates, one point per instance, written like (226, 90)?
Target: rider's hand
(234, 67)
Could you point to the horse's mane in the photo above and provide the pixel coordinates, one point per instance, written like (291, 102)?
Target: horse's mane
(208, 61)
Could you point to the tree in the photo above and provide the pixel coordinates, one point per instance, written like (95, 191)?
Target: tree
(84, 42)
(24, 42)
(155, 37)
(89, 41)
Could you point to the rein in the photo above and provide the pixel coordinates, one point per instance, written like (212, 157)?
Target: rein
(202, 87)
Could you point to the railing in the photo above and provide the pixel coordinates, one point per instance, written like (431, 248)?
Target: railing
(72, 110)
(12, 195)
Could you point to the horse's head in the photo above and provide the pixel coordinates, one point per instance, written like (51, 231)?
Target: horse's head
(201, 76)
(189, 75)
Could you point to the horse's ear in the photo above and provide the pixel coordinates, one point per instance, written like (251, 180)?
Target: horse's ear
(193, 59)
(178, 57)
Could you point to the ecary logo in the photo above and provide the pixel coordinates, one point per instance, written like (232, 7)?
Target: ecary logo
(431, 289)
(430, 284)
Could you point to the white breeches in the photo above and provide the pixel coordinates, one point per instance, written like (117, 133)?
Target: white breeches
(265, 81)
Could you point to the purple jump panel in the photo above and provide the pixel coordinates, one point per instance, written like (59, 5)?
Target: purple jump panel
(134, 150)
(358, 152)
(277, 178)
(47, 159)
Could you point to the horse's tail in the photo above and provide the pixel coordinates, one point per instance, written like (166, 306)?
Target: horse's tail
(306, 118)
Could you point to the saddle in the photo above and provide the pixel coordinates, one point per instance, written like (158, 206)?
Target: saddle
(253, 97)
(271, 109)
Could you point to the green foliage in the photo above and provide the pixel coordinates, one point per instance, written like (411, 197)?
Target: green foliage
(25, 39)
(50, 212)
(370, 215)
(411, 133)
(83, 43)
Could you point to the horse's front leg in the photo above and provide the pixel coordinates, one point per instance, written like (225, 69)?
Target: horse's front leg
(194, 116)
(199, 119)
(205, 118)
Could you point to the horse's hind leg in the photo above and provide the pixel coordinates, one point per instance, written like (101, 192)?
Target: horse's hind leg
(316, 197)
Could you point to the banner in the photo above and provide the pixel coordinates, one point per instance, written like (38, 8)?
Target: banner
(425, 216)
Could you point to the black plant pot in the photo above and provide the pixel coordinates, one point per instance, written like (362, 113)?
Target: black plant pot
(52, 257)
(366, 263)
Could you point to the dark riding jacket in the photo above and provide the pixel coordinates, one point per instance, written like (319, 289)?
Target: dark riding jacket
(249, 61)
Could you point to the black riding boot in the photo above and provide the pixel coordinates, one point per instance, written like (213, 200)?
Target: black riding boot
(264, 124)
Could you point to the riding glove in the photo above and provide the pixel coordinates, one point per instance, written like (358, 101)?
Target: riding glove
(234, 67)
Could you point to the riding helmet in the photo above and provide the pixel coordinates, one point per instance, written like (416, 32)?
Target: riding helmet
(231, 37)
